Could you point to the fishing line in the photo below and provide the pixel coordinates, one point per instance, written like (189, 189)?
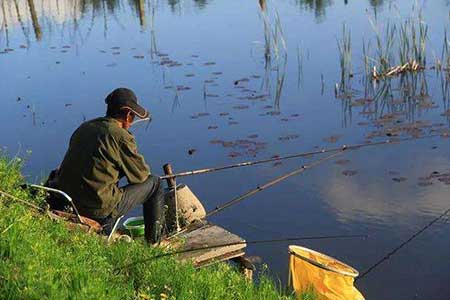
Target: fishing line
(392, 252)
(304, 154)
(280, 240)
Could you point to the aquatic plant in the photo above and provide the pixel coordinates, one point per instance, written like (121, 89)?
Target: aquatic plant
(345, 56)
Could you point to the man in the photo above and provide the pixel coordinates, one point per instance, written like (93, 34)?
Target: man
(101, 152)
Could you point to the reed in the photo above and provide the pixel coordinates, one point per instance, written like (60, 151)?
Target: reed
(400, 47)
(345, 56)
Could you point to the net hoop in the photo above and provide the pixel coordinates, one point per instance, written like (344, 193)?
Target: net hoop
(349, 272)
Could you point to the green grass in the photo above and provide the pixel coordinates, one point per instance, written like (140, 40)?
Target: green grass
(41, 259)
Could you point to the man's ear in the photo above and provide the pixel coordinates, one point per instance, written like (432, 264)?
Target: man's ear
(129, 116)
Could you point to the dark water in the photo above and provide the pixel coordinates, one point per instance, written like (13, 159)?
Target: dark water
(60, 58)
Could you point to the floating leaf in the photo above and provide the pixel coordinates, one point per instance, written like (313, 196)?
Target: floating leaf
(399, 179)
(216, 142)
(240, 107)
(236, 82)
(234, 154)
(342, 162)
(288, 137)
(332, 139)
(349, 172)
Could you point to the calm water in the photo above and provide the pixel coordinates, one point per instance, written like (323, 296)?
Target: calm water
(200, 67)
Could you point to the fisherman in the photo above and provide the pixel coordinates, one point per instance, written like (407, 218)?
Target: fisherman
(102, 152)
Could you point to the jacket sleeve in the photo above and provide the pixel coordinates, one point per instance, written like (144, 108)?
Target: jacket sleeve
(133, 164)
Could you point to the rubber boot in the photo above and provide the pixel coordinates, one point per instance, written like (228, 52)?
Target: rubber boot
(154, 215)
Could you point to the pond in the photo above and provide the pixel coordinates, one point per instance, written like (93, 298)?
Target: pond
(232, 81)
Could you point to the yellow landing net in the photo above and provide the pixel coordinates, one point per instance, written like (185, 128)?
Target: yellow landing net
(329, 278)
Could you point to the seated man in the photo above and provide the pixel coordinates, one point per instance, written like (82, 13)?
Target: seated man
(101, 152)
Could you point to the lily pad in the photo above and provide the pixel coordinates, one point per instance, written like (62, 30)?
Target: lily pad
(288, 137)
(349, 172)
(399, 179)
(332, 139)
(342, 162)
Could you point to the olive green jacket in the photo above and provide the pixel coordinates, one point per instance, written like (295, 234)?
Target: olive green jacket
(99, 155)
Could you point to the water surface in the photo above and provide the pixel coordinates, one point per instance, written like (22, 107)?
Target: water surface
(201, 68)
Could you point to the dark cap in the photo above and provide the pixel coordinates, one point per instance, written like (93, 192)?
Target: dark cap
(124, 98)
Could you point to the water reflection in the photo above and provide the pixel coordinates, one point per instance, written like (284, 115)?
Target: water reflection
(50, 13)
(319, 7)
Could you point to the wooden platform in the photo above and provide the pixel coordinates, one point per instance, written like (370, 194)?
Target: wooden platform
(216, 243)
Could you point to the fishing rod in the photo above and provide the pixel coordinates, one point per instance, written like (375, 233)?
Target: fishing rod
(258, 189)
(270, 183)
(396, 249)
(304, 154)
(271, 241)
(27, 203)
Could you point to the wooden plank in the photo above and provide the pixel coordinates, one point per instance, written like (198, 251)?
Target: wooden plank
(207, 236)
(225, 257)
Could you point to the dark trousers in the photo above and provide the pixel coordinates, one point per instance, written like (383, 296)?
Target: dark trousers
(150, 194)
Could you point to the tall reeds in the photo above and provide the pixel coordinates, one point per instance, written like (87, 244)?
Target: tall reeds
(399, 47)
(345, 56)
